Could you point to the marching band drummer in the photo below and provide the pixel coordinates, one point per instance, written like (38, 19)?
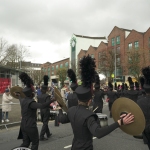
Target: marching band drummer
(83, 121)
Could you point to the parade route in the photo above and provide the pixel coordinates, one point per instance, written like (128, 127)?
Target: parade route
(62, 139)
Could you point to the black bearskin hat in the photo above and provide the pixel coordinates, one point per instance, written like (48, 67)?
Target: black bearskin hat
(71, 74)
(142, 82)
(126, 86)
(137, 85)
(28, 82)
(87, 66)
(115, 86)
(146, 73)
(97, 81)
(110, 85)
(131, 83)
(45, 85)
(122, 86)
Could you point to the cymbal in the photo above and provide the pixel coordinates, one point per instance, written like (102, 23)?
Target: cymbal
(60, 100)
(126, 105)
(57, 91)
(17, 89)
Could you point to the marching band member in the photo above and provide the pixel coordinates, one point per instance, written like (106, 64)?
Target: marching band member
(72, 97)
(28, 111)
(83, 121)
(45, 113)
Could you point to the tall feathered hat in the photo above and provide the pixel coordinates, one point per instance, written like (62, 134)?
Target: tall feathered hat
(45, 85)
(137, 85)
(71, 74)
(115, 86)
(110, 85)
(97, 81)
(28, 82)
(146, 73)
(87, 66)
(131, 83)
(142, 81)
(126, 86)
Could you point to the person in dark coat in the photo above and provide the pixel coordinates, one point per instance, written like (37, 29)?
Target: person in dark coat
(131, 94)
(72, 97)
(144, 104)
(83, 121)
(45, 113)
(98, 96)
(112, 96)
(28, 111)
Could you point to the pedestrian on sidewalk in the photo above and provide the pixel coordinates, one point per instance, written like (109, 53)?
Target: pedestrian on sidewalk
(6, 105)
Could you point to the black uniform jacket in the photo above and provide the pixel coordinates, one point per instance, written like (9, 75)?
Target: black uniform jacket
(112, 96)
(131, 94)
(85, 125)
(45, 113)
(72, 99)
(28, 112)
(144, 104)
(98, 100)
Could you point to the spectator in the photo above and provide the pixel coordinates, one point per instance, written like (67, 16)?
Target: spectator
(39, 91)
(6, 107)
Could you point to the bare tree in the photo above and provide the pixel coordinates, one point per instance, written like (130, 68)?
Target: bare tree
(136, 59)
(106, 63)
(37, 76)
(3, 47)
(62, 73)
(15, 55)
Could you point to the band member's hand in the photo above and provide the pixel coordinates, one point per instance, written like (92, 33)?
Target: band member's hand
(126, 119)
(17, 94)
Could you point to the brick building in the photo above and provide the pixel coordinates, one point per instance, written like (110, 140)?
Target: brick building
(50, 69)
(120, 41)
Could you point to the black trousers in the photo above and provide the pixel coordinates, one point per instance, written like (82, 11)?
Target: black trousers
(45, 128)
(30, 135)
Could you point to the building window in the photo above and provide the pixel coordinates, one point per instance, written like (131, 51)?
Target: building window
(118, 40)
(66, 64)
(61, 65)
(136, 45)
(118, 50)
(52, 67)
(56, 66)
(129, 46)
(92, 55)
(99, 55)
(149, 42)
(52, 73)
(118, 72)
(118, 61)
(113, 41)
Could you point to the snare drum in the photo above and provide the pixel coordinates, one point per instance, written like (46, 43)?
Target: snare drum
(103, 119)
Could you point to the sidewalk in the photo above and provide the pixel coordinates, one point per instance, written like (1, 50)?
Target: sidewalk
(15, 113)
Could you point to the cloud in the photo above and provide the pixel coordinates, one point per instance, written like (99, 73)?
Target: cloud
(48, 25)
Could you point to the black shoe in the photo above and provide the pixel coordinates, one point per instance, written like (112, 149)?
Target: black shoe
(49, 135)
(43, 139)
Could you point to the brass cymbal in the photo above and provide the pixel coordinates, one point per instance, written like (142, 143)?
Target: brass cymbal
(126, 105)
(17, 89)
(59, 99)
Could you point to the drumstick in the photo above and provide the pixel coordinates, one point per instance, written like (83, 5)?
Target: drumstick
(95, 108)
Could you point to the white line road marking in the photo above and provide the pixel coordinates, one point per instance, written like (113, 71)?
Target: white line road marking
(68, 146)
(71, 145)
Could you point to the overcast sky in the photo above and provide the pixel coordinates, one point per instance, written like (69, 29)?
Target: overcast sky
(47, 25)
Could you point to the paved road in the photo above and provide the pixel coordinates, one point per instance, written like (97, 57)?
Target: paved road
(62, 138)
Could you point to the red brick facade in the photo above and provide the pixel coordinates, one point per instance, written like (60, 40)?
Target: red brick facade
(119, 40)
(51, 68)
